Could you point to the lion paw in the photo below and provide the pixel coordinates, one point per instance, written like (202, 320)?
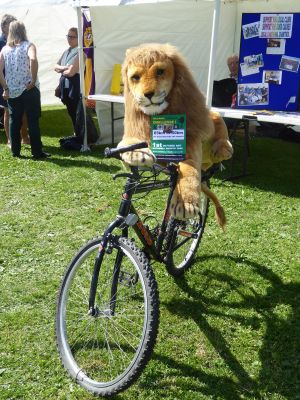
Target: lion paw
(221, 150)
(183, 210)
(139, 158)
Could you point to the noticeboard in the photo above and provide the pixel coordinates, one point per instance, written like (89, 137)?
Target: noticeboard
(269, 70)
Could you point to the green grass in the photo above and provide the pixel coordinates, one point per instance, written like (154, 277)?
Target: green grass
(229, 328)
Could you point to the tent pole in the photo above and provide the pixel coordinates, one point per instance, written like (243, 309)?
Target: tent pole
(212, 55)
(85, 146)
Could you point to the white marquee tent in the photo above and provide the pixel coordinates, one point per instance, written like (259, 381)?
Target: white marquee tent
(119, 24)
(188, 24)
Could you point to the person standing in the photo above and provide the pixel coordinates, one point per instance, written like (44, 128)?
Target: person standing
(69, 82)
(5, 21)
(21, 88)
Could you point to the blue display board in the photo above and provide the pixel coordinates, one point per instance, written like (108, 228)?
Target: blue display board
(269, 71)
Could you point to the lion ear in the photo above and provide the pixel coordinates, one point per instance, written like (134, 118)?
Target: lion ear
(125, 64)
(128, 51)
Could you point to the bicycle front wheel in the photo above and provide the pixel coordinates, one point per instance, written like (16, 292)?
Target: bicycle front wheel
(107, 351)
(183, 239)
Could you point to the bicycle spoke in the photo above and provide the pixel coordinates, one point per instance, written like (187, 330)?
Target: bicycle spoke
(110, 348)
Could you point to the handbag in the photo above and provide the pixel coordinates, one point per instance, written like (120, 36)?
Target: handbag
(57, 92)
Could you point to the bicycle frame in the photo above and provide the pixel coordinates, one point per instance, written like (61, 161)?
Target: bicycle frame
(152, 246)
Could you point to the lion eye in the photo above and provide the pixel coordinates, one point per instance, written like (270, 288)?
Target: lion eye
(135, 77)
(160, 72)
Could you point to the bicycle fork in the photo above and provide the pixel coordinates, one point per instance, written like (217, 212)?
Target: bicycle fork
(106, 246)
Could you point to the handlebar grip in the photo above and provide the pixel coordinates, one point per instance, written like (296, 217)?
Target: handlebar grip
(115, 152)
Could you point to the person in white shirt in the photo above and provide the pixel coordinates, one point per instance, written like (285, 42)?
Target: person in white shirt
(5, 21)
(21, 88)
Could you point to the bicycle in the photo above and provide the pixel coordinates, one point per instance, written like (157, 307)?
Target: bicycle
(108, 305)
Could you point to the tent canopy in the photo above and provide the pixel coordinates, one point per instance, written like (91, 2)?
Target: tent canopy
(187, 24)
(119, 24)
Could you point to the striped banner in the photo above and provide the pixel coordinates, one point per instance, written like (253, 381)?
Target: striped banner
(88, 48)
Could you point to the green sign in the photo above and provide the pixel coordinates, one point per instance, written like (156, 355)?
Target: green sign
(168, 137)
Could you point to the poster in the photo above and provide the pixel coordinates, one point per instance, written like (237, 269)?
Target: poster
(276, 26)
(168, 137)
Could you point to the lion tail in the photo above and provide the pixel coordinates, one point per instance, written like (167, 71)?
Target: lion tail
(219, 211)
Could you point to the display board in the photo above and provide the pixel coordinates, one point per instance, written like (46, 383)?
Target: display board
(269, 73)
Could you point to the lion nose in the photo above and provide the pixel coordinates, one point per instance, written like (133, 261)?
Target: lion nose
(149, 95)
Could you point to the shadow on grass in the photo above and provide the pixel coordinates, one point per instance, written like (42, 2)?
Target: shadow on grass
(90, 159)
(66, 159)
(273, 165)
(214, 387)
(279, 352)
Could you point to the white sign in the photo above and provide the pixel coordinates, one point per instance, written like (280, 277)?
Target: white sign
(276, 26)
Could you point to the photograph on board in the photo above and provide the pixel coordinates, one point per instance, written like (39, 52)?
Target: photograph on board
(253, 94)
(275, 46)
(290, 64)
(251, 30)
(273, 77)
(254, 61)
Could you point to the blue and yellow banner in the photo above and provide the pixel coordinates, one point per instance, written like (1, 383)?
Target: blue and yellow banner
(88, 48)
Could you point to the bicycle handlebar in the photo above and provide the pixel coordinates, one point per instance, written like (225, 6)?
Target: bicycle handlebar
(115, 152)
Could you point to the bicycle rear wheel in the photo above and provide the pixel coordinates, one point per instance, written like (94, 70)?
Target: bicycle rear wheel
(183, 239)
(106, 352)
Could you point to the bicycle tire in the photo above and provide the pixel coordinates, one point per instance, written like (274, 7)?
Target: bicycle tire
(107, 353)
(181, 249)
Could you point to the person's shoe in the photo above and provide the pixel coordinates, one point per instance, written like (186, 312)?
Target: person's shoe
(41, 156)
(16, 155)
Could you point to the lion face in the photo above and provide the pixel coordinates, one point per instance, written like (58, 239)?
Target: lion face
(150, 85)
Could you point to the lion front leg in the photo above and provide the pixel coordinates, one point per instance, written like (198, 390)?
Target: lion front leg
(138, 158)
(186, 197)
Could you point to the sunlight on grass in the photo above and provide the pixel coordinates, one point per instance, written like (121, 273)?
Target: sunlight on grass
(229, 328)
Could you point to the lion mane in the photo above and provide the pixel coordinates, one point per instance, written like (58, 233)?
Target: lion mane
(157, 80)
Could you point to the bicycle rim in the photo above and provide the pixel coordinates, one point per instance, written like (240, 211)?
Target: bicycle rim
(105, 353)
(187, 240)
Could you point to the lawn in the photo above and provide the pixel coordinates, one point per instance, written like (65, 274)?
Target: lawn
(229, 328)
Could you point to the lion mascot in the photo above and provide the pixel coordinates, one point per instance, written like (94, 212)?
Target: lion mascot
(157, 80)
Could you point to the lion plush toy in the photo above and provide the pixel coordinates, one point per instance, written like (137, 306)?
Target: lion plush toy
(157, 80)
